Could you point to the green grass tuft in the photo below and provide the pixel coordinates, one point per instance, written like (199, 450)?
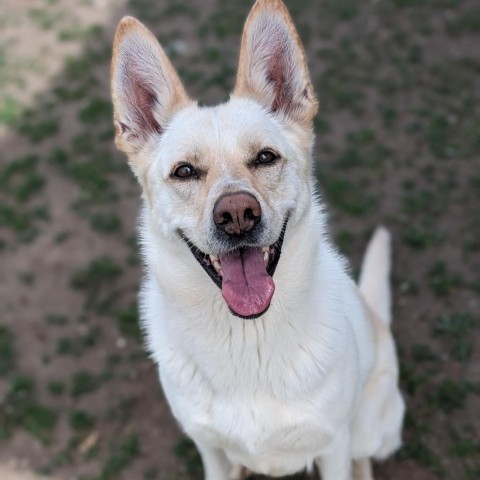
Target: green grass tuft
(128, 322)
(81, 420)
(83, 382)
(450, 395)
(7, 351)
(20, 409)
(121, 456)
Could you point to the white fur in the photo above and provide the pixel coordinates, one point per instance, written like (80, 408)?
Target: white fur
(312, 380)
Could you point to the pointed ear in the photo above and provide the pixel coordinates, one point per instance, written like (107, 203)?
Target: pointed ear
(272, 67)
(146, 90)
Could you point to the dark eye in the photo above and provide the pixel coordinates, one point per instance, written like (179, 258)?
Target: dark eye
(184, 171)
(265, 157)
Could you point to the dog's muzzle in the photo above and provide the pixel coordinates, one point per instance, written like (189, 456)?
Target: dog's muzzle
(244, 273)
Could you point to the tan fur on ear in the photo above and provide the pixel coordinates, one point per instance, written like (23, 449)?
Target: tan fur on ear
(272, 66)
(146, 89)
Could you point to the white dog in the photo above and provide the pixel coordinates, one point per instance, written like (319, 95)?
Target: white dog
(270, 357)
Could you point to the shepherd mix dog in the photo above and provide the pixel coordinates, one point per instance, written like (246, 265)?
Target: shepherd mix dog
(271, 358)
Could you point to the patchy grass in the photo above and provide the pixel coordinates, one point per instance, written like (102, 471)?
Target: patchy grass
(80, 420)
(100, 272)
(20, 409)
(7, 351)
(106, 222)
(420, 451)
(441, 280)
(37, 129)
(423, 353)
(450, 395)
(352, 198)
(96, 280)
(128, 321)
(56, 319)
(56, 387)
(20, 182)
(24, 223)
(28, 278)
(83, 382)
(96, 111)
(120, 457)
(456, 331)
(10, 110)
(21, 179)
(422, 237)
(77, 345)
(185, 450)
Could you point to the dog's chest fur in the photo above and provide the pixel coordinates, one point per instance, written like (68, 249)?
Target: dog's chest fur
(267, 435)
(268, 396)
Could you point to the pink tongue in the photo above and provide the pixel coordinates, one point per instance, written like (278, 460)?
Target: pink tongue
(246, 286)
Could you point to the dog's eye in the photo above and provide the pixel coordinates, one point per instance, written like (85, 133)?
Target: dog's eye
(265, 157)
(184, 171)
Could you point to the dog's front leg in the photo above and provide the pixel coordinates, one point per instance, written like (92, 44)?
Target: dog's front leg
(215, 464)
(362, 469)
(337, 464)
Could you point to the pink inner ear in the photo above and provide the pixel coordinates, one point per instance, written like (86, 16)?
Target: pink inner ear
(282, 88)
(142, 100)
(273, 47)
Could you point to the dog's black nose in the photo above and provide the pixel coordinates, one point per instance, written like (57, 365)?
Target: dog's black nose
(237, 213)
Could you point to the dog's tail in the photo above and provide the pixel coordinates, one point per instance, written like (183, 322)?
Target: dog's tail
(374, 283)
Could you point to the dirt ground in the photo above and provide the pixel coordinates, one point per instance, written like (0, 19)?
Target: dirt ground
(398, 143)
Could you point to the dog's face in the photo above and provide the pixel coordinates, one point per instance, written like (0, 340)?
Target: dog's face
(227, 179)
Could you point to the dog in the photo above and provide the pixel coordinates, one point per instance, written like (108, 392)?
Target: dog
(270, 357)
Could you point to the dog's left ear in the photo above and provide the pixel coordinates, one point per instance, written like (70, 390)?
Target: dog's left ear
(272, 67)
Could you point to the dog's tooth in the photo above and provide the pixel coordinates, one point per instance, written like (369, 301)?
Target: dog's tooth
(265, 249)
(214, 258)
(265, 256)
(216, 265)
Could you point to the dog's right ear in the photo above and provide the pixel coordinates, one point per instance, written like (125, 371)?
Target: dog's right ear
(146, 89)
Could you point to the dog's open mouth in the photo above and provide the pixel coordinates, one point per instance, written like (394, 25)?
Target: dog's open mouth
(244, 275)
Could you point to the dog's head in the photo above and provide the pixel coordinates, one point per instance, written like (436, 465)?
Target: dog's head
(228, 179)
